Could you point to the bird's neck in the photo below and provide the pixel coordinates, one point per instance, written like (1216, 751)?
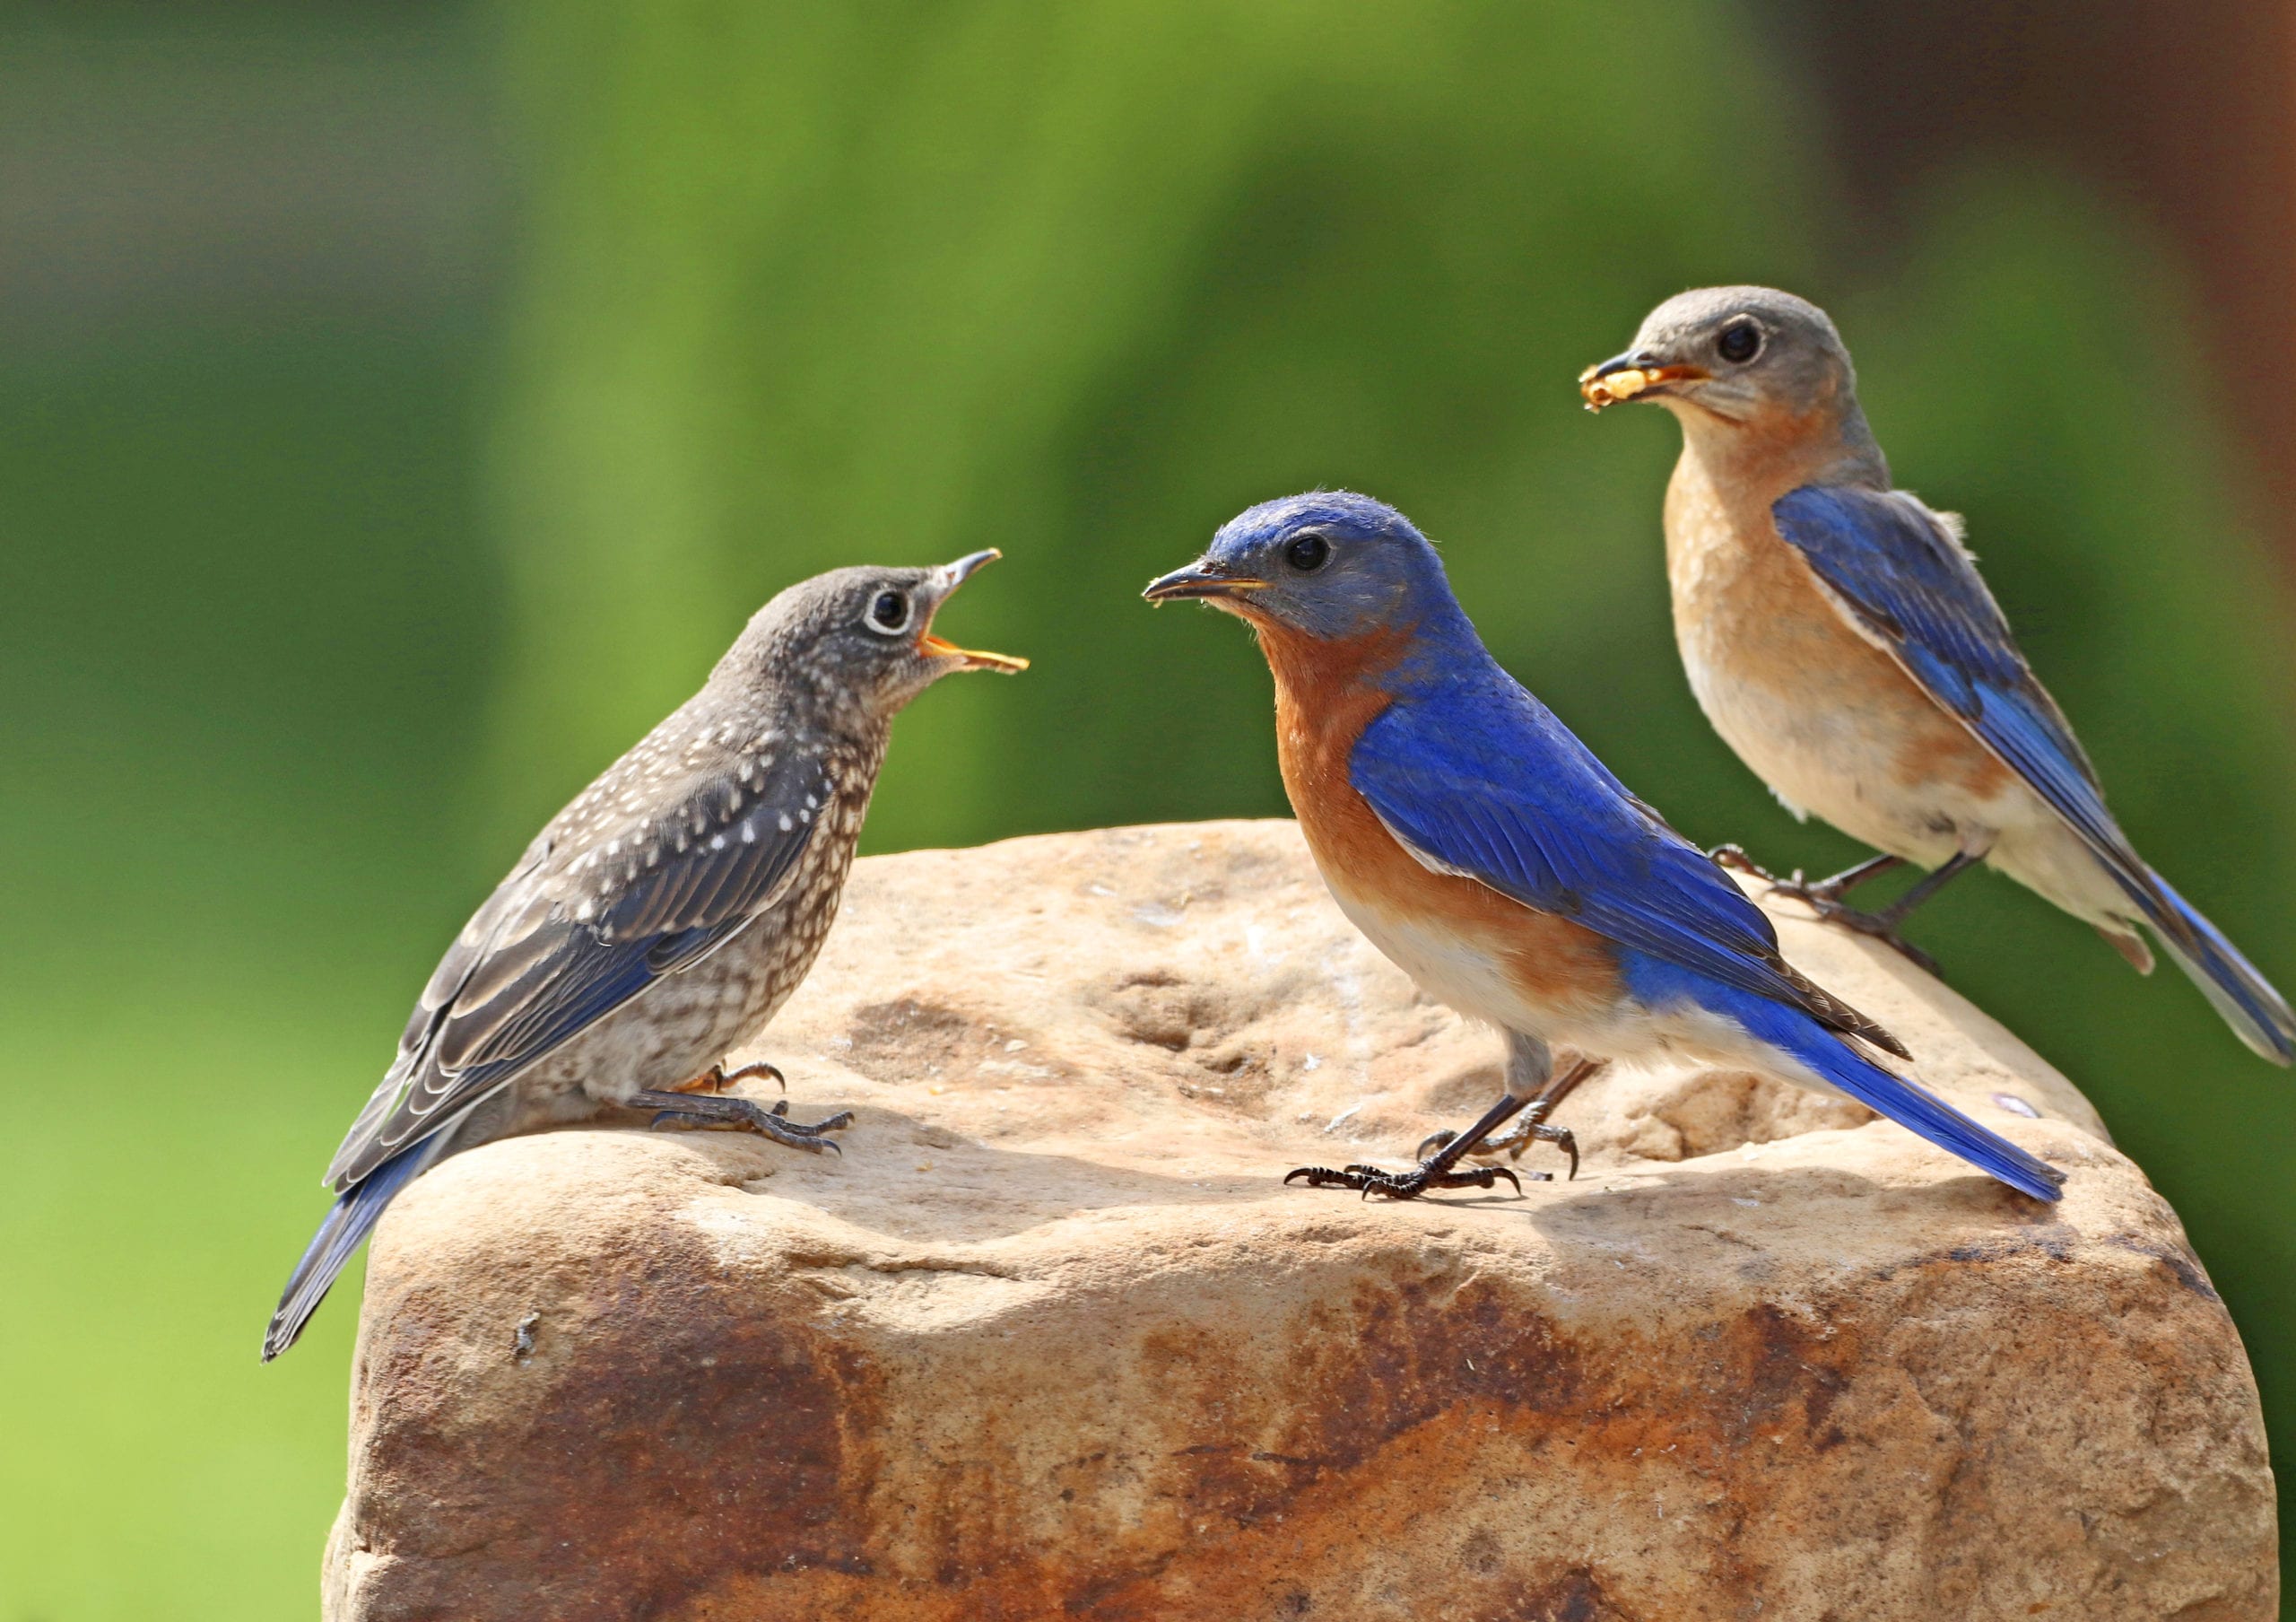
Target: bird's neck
(1752, 461)
(1327, 690)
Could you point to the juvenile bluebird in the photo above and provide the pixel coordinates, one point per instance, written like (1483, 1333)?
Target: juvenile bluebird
(663, 917)
(1837, 634)
(1483, 847)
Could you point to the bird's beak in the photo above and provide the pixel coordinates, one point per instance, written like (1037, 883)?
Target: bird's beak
(954, 575)
(1624, 377)
(1200, 581)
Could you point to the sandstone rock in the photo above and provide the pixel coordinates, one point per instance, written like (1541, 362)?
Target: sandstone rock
(1052, 1340)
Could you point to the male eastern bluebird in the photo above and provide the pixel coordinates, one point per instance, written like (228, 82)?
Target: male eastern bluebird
(1838, 636)
(1483, 847)
(665, 915)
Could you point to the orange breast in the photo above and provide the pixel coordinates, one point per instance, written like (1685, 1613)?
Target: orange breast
(1325, 695)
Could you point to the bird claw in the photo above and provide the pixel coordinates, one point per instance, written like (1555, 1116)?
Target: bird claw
(1406, 1185)
(1510, 1143)
(772, 1073)
(717, 1079)
(1824, 900)
(739, 1114)
(1735, 856)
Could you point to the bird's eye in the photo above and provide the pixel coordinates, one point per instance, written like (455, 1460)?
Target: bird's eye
(1741, 341)
(1308, 553)
(889, 615)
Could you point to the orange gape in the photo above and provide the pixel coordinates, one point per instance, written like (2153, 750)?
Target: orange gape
(1326, 695)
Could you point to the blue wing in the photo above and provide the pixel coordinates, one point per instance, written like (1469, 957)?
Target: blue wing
(1907, 580)
(1481, 779)
(1902, 571)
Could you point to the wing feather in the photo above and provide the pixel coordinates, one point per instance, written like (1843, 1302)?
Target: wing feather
(1500, 790)
(573, 934)
(1903, 576)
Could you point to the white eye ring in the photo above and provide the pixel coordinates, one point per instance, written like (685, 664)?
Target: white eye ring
(902, 609)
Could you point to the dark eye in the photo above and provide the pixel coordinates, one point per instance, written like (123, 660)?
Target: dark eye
(1741, 341)
(889, 612)
(1308, 553)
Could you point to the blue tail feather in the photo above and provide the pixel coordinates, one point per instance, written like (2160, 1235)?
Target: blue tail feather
(345, 1227)
(2258, 1015)
(1909, 1103)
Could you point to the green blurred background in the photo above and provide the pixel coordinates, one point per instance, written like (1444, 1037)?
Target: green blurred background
(400, 408)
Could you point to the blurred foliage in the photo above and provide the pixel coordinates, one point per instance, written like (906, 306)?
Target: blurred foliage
(810, 286)
(805, 286)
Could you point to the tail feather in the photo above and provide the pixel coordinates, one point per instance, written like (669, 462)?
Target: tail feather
(2258, 1015)
(1908, 1103)
(345, 1227)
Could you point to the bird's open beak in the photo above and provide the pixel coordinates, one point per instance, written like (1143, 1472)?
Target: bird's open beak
(1200, 581)
(954, 575)
(1624, 377)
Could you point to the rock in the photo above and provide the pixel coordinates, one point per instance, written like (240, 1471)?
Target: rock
(1052, 1340)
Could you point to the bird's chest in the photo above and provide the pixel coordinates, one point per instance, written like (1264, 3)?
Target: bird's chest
(768, 960)
(1826, 718)
(1461, 942)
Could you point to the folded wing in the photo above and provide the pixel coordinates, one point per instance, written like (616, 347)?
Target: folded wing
(1489, 785)
(1903, 577)
(571, 936)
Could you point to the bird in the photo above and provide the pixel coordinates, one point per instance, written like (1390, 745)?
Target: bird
(664, 916)
(1838, 635)
(1487, 852)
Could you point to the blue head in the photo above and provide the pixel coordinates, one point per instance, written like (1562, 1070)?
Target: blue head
(1329, 564)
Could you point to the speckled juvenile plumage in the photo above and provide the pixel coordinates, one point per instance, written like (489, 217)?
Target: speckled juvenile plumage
(665, 914)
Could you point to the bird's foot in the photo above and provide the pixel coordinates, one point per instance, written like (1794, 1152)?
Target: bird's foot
(1511, 1143)
(1406, 1185)
(1824, 899)
(717, 1079)
(1440, 1156)
(1529, 1127)
(1735, 856)
(706, 1111)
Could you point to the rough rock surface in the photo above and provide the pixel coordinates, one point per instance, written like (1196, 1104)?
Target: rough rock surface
(1052, 1340)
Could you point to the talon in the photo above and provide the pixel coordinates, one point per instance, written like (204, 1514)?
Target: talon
(1735, 856)
(1433, 1144)
(709, 1112)
(1872, 925)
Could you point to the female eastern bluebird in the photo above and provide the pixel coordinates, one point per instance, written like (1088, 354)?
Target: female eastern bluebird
(1838, 636)
(1483, 847)
(665, 915)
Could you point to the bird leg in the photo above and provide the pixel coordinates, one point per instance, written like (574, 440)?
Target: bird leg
(1528, 1064)
(1820, 893)
(1824, 898)
(1530, 1127)
(708, 1111)
(716, 1079)
(1829, 892)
